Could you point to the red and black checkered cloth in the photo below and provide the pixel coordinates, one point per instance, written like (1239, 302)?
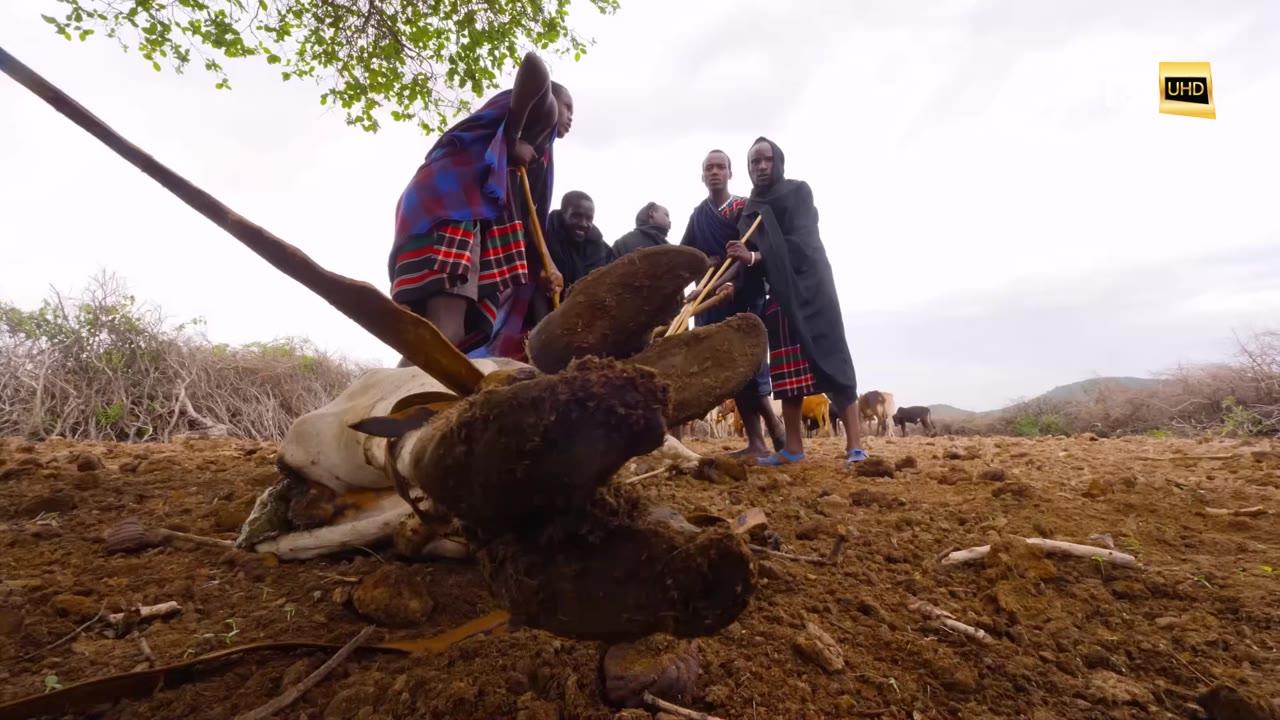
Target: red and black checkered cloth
(789, 369)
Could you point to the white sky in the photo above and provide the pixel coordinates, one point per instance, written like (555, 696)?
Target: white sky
(1004, 208)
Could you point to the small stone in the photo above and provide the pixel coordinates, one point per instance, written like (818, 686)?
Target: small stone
(1104, 686)
(47, 504)
(12, 620)
(76, 607)
(772, 572)
(993, 474)
(819, 648)
(1226, 702)
(394, 596)
(811, 530)
(1164, 623)
(350, 703)
(907, 462)
(833, 505)
(1098, 489)
(45, 532)
(86, 462)
(129, 466)
(1016, 489)
(868, 498)
(876, 467)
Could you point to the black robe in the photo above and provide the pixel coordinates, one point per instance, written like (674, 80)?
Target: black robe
(573, 258)
(642, 237)
(799, 275)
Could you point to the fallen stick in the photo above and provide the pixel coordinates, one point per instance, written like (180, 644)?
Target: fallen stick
(146, 612)
(947, 620)
(197, 539)
(1053, 547)
(661, 705)
(1227, 456)
(1242, 512)
(69, 635)
(646, 476)
(790, 556)
(292, 694)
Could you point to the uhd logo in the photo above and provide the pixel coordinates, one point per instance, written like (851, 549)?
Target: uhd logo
(1186, 89)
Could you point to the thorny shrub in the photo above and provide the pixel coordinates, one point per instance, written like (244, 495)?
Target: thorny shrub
(101, 366)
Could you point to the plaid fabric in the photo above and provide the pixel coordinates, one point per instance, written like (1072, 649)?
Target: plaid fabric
(442, 260)
(465, 177)
(788, 367)
(732, 208)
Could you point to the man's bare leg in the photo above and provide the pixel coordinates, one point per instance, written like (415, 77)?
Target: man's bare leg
(852, 428)
(448, 313)
(749, 405)
(771, 420)
(794, 424)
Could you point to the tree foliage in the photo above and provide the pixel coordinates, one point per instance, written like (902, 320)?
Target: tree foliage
(418, 59)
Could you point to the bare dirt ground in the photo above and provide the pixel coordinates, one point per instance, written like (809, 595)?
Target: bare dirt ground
(1073, 638)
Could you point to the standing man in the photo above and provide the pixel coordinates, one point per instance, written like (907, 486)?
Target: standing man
(576, 245)
(808, 353)
(459, 257)
(653, 222)
(713, 224)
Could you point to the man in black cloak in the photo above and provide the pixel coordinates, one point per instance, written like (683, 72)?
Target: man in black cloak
(653, 222)
(808, 353)
(575, 244)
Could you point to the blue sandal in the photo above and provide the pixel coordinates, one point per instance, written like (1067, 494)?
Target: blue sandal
(855, 455)
(782, 457)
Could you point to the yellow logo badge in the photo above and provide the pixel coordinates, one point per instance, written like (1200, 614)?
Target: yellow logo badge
(1186, 88)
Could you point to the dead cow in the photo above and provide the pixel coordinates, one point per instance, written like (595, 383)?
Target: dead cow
(875, 408)
(915, 415)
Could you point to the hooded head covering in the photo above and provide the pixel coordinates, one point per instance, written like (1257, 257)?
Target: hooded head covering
(777, 180)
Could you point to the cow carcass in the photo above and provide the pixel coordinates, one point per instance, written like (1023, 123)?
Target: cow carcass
(518, 473)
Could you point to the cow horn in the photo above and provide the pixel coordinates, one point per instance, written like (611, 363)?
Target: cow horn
(420, 342)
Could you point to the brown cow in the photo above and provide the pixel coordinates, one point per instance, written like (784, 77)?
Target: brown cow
(815, 411)
(916, 415)
(874, 408)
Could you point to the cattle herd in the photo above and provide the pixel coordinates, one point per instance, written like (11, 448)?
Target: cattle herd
(875, 409)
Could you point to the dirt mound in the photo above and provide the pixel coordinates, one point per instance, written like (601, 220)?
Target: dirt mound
(1072, 638)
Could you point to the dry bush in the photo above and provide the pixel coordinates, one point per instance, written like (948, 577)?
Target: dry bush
(100, 366)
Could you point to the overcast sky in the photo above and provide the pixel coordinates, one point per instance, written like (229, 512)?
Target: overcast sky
(1003, 205)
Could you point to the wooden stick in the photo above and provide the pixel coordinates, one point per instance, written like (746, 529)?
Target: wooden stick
(292, 694)
(1227, 456)
(948, 621)
(411, 335)
(683, 317)
(197, 539)
(717, 299)
(146, 612)
(688, 303)
(1050, 546)
(661, 705)
(645, 476)
(789, 556)
(537, 231)
(1242, 512)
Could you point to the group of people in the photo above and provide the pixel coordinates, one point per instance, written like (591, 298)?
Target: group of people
(462, 257)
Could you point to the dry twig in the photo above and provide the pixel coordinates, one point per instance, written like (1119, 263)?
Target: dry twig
(1242, 512)
(790, 556)
(292, 694)
(1056, 547)
(659, 704)
(947, 620)
(70, 635)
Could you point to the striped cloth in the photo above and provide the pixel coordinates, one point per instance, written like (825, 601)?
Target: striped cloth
(442, 260)
(789, 369)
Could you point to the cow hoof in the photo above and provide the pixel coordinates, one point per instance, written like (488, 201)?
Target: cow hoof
(612, 311)
(708, 365)
(525, 454)
(620, 579)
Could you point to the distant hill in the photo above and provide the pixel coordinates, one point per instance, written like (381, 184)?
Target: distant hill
(1073, 392)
